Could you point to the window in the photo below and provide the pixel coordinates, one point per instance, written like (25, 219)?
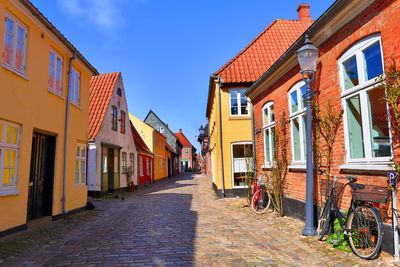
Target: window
(80, 164)
(268, 117)
(132, 161)
(238, 102)
(124, 161)
(119, 92)
(365, 115)
(122, 119)
(9, 149)
(14, 53)
(114, 118)
(161, 129)
(147, 166)
(141, 165)
(55, 73)
(242, 161)
(74, 87)
(297, 109)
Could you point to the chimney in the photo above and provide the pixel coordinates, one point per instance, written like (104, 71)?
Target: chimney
(304, 13)
(180, 130)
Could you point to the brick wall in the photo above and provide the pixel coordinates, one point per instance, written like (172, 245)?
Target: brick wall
(381, 17)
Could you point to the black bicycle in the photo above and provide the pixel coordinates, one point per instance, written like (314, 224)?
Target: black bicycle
(362, 225)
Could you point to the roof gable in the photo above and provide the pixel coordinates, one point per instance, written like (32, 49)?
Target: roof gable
(182, 138)
(100, 94)
(139, 143)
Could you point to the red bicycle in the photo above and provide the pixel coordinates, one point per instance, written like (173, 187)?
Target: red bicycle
(260, 200)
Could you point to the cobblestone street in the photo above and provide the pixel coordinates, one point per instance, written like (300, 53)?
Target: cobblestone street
(176, 222)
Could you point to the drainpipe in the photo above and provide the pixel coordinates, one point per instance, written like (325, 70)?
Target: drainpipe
(253, 136)
(66, 134)
(220, 134)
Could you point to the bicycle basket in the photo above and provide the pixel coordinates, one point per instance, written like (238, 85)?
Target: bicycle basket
(325, 190)
(262, 179)
(371, 193)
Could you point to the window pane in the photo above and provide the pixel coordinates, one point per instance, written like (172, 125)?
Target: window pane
(9, 167)
(272, 114)
(243, 104)
(58, 75)
(303, 118)
(267, 145)
(293, 101)
(354, 120)
(51, 70)
(12, 134)
(234, 102)
(105, 166)
(76, 171)
(373, 61)
(20, 53)
(296, 138)
(350, 73)
(272, 132)
(380, 143)
(303, 91)
(266, 116)
(9, 41)
(77, 92)
(83, 172)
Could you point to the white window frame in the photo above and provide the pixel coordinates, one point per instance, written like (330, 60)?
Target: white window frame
(124, 162)
(17, 24)
(78, 160)
(361, 89)
(239, 103)
(233, 166)
(141, 166)
(299, 114)
(57, 91)
(75, 87)
(270, 128)
(147, 166)
(9, 189)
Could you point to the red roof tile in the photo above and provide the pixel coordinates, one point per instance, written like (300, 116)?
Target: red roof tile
(262, 52)
(182, 138)
(101, 89)
(139, 143)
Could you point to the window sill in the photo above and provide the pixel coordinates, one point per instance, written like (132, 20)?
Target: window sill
(239, 117)
(8, 192)
(297, 167)
(54, 92)
(76, 105)
(366, 167)
(15, 71)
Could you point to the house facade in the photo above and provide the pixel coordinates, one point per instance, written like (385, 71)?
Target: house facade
(154, 121)
(358, 42)
(111, 147)
(156, 142)
(188, 154)
(228, 109)
(43, 119)
(145, 159)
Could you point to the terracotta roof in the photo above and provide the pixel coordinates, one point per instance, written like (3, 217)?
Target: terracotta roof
(182, 138)
(262, 52)
(139, 143)
(101, 89)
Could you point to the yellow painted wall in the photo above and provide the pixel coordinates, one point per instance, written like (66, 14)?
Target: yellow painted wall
(145, 130)
(234, 129)
(160, 167)
(27, 102)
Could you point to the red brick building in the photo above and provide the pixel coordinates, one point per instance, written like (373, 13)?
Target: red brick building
(188, 156)
(358, 41)
(145, 159)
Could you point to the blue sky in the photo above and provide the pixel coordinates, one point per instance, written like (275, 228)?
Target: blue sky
(167, 49)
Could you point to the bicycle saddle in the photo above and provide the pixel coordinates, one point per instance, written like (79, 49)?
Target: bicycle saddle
(351, 179)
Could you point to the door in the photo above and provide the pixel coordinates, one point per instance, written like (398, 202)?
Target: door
(110, 170)
(40, 196)
(169, 168)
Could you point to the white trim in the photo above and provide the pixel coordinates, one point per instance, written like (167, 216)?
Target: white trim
(81, 158)
(297, 166)
(367, 167)
(269, 106)
(239, 103)
(71, 84)
(52, 89)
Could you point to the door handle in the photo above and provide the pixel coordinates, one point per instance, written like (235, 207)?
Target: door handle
(30, 183)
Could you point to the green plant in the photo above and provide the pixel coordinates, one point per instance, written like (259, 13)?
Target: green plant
(338, 239)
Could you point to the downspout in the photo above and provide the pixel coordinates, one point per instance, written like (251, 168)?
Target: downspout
(220, 134)
(253, 136)
(66, 134)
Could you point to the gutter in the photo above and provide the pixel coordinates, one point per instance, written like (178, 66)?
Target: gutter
(317, 25)
(253, 136)
(220, 132)
(64, 189)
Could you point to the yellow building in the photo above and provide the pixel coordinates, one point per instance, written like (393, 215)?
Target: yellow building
(156, 142)
(229, 112)
(42, 173)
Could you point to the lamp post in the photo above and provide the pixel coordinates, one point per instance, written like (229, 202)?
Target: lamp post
(307, 56)
(202, 147)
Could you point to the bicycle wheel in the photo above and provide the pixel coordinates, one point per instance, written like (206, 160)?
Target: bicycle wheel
(260, 201)
(366, 232)
(324, 220)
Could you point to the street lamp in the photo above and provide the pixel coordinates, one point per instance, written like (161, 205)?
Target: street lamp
(307, 56)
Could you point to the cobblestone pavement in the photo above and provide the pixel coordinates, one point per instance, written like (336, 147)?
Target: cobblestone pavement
(176, 222)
